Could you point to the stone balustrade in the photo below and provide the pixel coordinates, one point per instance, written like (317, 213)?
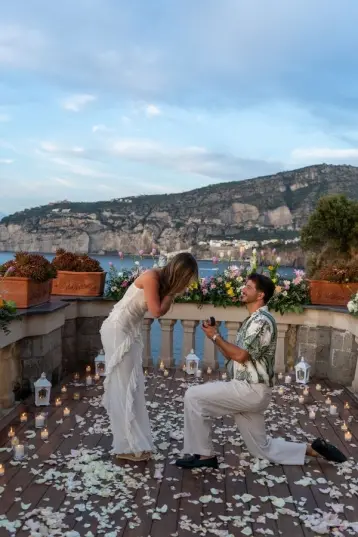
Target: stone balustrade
(63, 336)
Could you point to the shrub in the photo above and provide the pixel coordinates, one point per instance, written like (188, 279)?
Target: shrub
(75, 262)
(33, 266)
(339, 271)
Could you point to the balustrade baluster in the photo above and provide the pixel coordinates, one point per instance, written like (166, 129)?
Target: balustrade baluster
(189, 328)
(166, 347)
(147, 353)
(280, 357)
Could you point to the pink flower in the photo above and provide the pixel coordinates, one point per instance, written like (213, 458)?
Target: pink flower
(141, 252)
(120, 255)
(124, 283)
(213, 286)
(204, 291)
(215, 260)
(262, 253)
(154, 251)
(110, 264)
(220, 280)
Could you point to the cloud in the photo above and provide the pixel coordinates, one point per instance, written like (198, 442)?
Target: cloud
(100, 128)
(75, 103)
(324, 153)
(6, 161)
(152, 110)
(192, 160)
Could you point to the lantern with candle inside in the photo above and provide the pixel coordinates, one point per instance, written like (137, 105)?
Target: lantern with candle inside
(2, 470)
(192, 363)
(19, 451)
(58, 401)
(23, 417)
(11, 432)
(302, 371)
(100, 364)
(66, 412)
(42, 391)
(44, 434)
(40, 420)
(348, 436)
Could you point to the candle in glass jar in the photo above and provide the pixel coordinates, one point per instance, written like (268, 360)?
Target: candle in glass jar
(19, 452)
(39, 421)
(328, 401)
(333, 410)
(66, 412)
(348, 436)
(312, 414)
(88, 380)
(44, 434)
(161, 366)
(63, 389)
(146, 372)
(198, 373)
(166, 372)
(209, 370)
(88, 369)
(346, 406)
(306, 392)
(301, 399)
(280, 376)
(76, 396)
(224, 376)
(184, 368)
(97, 377)
(23, 417)
(11, 432)
(58, 401)
(288, 379)
(76, 377)
(318, 387)
(344, 426)
(2, 470)
(15, 441)
(281, 390)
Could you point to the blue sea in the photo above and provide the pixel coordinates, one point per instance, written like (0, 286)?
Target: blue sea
(207, 269)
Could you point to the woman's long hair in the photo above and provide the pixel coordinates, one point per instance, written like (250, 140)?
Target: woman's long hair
(177, 274)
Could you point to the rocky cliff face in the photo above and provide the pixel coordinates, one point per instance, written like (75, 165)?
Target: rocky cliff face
(274, 206)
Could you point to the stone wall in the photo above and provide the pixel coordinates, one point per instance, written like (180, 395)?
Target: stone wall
(63, 337)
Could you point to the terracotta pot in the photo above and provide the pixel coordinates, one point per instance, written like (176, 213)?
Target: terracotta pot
(24, 291)
(78, 283)
(327, 293)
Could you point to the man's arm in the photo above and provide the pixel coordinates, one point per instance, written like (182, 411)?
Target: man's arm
(229, 350)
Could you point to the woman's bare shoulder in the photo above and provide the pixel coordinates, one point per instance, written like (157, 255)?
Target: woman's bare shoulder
(148, 275)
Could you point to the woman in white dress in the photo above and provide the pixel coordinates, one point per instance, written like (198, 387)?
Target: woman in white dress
(153, 291)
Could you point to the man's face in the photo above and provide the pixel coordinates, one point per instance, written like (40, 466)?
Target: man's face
(249, 294)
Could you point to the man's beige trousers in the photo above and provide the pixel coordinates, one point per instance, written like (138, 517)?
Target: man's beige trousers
(246, 403)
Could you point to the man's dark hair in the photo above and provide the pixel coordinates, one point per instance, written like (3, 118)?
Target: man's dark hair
(264, 284)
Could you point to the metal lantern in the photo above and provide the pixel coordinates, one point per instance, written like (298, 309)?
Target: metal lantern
(302, 371)
(42, 391)
(192, 363)
(100, 364)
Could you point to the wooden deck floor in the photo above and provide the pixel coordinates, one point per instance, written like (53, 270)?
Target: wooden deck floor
(71, 485)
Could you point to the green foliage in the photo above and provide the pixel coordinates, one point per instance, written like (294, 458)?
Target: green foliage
(333, 225)
(7, 314)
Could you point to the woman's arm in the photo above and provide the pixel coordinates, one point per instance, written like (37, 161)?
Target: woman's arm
(150, 285)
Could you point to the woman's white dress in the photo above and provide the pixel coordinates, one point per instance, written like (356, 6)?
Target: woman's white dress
(124, 398)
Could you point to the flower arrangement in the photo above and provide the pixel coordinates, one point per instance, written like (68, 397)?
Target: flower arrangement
(224, 289)
(33, 266)
(7, 314)
(71, 262)
(290, 296)
(353, 305)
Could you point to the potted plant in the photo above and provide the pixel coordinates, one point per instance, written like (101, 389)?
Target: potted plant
(331, 239)
(335, 283)
(77, 275)
(26, 280)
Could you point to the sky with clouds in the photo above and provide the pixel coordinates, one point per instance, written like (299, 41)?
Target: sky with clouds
(102, 99)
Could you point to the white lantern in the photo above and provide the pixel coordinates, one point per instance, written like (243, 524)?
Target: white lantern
(302, 371)
(192, 363)
(42, 391)
(100, 364)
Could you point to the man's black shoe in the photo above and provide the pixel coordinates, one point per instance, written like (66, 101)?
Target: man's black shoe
(194, 461)
(328, 451)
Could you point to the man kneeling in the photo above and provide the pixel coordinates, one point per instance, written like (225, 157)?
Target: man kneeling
(251, 365)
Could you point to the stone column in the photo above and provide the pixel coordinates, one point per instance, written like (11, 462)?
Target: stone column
(189, 328)
(211, 352)
(166, 348)
(232, 329)
(281, 348)
(147, 354)
(354, 387)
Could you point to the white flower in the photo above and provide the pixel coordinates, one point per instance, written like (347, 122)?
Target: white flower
(278, 260)
(120, 274)
(114, 289)
(254, 251)
(221, 254)
(137, 263)
(284, 293)
(229, 253)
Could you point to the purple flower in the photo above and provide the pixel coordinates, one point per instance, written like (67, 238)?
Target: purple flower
(213, 286)
(154, 251)
(110, 264)
(124, 283)
(215, 260)
(120, 255)
(141, 252)
(204, 291)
